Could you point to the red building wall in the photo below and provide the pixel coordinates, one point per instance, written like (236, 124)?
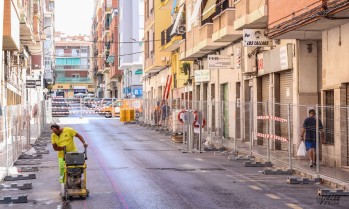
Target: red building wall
(283, 10)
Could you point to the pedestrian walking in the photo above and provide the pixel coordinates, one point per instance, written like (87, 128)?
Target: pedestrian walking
(165, 111)
(157, 114)
(309, 129)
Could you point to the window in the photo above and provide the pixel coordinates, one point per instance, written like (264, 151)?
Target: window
(60, 52)
(47, 62)
(84, 51)
(75, 52)
(84, 61)
(151, 7)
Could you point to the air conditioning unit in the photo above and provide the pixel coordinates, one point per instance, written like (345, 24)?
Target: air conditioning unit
(181, 29)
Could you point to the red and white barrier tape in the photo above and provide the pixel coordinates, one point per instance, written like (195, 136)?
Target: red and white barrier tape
(267, 117)
(271, 136)
(77, 112)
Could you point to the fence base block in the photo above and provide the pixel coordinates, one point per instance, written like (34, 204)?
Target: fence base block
(257, 164)
(214, 149)
(240, 157)
(39, 144)
(337, 192)
(28, 169)
(278, 172)
(26, 156)
(303, 181)
(42, 151)
(19, 177)
(224, 153)
(23, 186)
(19, 199)
(27, 162)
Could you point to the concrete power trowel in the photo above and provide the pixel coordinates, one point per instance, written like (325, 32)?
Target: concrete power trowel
(74, 180)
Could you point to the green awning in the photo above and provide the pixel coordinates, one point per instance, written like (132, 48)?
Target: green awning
(139, 72)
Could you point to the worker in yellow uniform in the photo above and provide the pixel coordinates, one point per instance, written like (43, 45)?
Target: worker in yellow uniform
(64, 138)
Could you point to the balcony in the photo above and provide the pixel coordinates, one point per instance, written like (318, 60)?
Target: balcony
(149, 62)
(108, 6)
(149, 22)
(170, 42)
(223, 27)
(201, 42)
(251, 14)
(106, 68)
(11, 35)
(73, 80)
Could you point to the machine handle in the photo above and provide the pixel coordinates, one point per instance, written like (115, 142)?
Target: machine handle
(85, 152)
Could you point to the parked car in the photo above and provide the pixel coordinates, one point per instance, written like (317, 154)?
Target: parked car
(114, 108)
(60, 108)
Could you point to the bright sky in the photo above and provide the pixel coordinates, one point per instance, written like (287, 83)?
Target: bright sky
(74, 17)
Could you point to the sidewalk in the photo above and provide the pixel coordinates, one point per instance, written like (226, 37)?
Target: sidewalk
(45, 192)
(334, 177)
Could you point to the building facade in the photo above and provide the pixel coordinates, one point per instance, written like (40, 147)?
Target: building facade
(73, 66)
(156, 62)
(131, 24)
(301, 64)
(105, 30)
(319, 29)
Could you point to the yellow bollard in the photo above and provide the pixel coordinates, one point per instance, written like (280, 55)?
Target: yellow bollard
(132, 114)
(123, 115)
(128, 115)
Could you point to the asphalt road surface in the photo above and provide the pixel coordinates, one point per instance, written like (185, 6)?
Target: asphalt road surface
(133, 167)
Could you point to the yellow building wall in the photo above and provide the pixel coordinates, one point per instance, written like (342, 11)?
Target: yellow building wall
(176, 65)
(70, 87)
(162, 19)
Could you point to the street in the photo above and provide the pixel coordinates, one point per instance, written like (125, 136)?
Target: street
(133, 167)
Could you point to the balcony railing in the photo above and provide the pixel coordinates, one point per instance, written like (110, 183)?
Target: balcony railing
(166, 35)
(73, 80)
(219, 8)
(72, 67)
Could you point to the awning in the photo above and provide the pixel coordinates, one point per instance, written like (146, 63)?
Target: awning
(195, 13)
(139, 72)
(210, 8)
(176, 23)
(173, 6)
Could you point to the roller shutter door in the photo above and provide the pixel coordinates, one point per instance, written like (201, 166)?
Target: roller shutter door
(265, 98)
(348, 124)
(286, 86)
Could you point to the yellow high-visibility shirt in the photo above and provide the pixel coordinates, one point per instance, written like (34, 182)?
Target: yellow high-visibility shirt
(66, 138)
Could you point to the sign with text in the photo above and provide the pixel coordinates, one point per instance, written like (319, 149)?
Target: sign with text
(32, 83)
(219, 62)
(202, 76)
(256, 37)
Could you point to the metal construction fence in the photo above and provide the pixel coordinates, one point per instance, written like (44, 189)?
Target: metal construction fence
(271, 131)
(21, 125)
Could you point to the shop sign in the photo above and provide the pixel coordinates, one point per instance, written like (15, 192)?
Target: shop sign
(219, 62)
(202, 76)
(255, 38)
